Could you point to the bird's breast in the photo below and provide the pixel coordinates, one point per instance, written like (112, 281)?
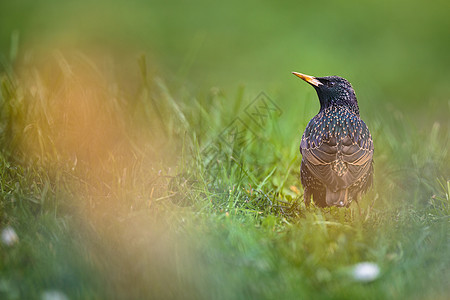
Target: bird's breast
(339, 126)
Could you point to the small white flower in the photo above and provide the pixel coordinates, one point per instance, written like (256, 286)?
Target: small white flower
(9, 236)
(366, 271)
(53, 295)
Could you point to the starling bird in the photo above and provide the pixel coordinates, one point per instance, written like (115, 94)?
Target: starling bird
(336, 147)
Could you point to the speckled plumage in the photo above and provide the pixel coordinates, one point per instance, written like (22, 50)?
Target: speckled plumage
(336, 146)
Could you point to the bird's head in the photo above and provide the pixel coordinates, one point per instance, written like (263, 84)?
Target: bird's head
(332, 90)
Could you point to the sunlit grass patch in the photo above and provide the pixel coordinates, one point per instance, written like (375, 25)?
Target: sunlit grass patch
(150, 191)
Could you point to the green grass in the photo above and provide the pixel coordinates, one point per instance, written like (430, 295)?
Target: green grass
(118, 173)
(119, 219)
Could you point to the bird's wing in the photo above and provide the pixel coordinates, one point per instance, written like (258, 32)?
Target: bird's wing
(337, 164)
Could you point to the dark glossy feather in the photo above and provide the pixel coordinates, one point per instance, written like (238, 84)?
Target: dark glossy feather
(337, 154)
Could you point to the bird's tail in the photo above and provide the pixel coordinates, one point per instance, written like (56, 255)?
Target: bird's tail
(338, 198)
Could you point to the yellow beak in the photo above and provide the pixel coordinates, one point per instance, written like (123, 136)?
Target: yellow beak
(309, 79)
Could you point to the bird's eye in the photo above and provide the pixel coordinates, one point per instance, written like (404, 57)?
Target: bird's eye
(331, 83)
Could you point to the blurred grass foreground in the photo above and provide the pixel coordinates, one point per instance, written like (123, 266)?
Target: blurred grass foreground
(149, 150)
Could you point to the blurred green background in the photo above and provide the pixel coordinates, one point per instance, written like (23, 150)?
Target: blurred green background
(393, 52)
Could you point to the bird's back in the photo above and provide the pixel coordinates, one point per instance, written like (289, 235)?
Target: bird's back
(337, 151)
